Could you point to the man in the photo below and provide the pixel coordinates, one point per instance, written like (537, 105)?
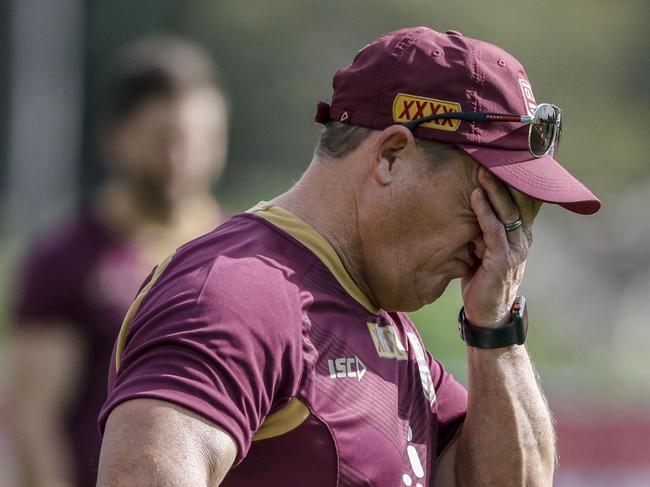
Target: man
(164, 138)
(275, 351)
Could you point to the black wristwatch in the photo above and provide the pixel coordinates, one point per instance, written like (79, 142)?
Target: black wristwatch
(513, 333)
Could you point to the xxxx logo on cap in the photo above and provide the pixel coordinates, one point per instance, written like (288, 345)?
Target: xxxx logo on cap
(411, 107)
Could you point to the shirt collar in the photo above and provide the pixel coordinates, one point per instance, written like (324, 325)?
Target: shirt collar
(314, 241)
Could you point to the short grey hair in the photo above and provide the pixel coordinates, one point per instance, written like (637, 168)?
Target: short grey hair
(340, 139)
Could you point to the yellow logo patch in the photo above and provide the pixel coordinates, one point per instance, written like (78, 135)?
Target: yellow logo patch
(387, 342)
(411, 107)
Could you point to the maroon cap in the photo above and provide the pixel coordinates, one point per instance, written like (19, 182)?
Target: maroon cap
(415, 72)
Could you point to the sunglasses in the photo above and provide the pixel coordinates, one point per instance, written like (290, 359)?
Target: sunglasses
(543, 134)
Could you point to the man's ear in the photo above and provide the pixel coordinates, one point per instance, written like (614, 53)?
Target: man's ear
(389, 146)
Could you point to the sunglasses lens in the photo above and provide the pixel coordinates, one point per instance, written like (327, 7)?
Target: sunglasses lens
(544, 130)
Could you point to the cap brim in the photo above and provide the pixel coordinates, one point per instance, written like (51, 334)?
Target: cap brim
(541, 178)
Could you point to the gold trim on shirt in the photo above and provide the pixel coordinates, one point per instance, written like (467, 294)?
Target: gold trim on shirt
(314, 241)
(282, 421)
(124, 329)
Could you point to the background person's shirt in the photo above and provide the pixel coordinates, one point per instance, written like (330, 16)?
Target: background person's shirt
(258, 327)
(78, 275)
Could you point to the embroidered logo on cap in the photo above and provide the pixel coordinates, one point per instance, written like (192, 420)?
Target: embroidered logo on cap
(529, 98)
(411, 107)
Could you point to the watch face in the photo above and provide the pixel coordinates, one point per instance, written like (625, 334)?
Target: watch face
(520, 311)
(519, 306)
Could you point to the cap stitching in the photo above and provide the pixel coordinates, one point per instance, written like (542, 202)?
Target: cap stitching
(479, 98)
(407, 41)
(476, 80)
(479, 79)
(555, 184)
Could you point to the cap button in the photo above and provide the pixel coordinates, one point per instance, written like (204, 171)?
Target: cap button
(453, 33)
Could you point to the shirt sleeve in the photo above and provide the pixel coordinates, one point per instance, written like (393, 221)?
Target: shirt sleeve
(451, 404)
(228, 349)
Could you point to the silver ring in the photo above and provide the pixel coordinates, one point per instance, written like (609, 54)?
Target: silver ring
(511, 227)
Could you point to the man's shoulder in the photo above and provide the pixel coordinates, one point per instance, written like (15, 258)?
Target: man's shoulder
(223, 289)
(243, 263)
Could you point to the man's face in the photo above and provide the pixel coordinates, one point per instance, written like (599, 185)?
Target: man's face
(426, 233)
(170, 146)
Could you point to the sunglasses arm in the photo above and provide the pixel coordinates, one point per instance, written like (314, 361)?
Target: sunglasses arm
(472, 117)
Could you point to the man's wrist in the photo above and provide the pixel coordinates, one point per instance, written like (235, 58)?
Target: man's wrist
(513, 332)
(494, 315)
(493, 321)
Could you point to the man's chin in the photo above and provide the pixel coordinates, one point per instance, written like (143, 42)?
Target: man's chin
(423, 296)
(432, 294)
(403, 304)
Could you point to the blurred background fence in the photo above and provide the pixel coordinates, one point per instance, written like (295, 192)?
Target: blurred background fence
(588, 278)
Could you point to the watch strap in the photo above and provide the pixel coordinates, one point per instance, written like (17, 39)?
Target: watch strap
(513, 333)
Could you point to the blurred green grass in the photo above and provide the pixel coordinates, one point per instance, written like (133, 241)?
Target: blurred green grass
(557, 359)
(438, 325)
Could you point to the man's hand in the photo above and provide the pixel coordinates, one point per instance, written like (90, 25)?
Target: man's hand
(489, 290)
(507, 437)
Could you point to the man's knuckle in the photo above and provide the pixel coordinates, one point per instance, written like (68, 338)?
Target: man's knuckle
(511, 216)
(529, 236)
(520, 249)
(512, 261)
(494, 227)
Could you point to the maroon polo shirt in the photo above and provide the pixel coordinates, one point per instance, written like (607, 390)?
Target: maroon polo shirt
(257, 327)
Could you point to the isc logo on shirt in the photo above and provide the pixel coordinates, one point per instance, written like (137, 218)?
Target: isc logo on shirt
(346, 368)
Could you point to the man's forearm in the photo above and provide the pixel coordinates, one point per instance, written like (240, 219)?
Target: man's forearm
(507, 438)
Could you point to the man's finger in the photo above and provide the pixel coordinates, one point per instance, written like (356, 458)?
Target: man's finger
(504, 206)
(494, 234)
(528, 207)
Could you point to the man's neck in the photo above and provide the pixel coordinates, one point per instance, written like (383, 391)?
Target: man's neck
(326, 200)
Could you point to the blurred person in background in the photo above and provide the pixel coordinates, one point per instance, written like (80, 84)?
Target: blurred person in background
(164, 135)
